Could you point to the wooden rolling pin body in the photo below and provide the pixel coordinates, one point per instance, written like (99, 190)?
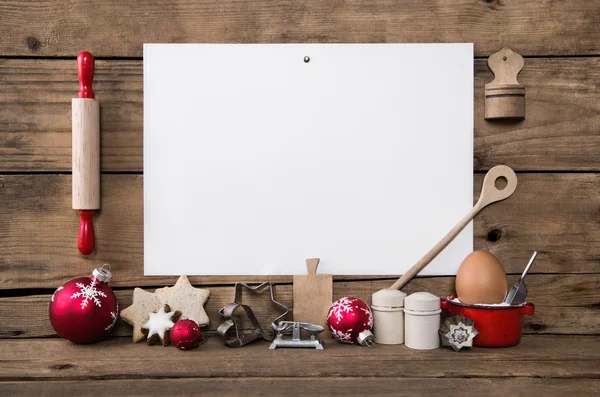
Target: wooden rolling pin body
(86, 153)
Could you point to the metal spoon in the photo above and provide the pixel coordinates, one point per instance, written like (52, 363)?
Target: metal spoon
(518, 292)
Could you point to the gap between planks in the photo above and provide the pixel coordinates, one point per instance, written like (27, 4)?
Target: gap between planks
(310, 386)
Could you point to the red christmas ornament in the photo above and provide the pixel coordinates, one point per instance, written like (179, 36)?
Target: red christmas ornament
(84, 309)
(350, 321)
(185, 334)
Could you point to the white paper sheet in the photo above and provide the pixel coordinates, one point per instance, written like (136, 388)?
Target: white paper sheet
(255, 160)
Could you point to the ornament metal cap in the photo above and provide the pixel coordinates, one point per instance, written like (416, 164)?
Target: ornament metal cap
(103, 273)
(365, 338)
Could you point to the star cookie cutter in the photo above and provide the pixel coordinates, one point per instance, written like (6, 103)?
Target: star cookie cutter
(458, 332)
(240, 339)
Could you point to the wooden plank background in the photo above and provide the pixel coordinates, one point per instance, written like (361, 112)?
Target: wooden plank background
(556, 208)
(560, 132)
(112, 28)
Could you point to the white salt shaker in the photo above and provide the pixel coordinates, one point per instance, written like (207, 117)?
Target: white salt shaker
(388, 316)
(422, 321)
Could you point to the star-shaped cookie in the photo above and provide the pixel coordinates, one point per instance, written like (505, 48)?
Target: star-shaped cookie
(137, 314)
(159, 323)
(189, 300)
(183, 297)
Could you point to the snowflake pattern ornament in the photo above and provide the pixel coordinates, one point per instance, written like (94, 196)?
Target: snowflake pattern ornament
(89, 293)
(84, 310)
(350, 321)
(57, 290)
(114, 317)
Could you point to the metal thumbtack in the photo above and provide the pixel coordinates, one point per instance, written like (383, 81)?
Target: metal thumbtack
(307, 59)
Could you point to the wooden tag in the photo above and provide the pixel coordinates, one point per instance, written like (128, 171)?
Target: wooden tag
(312, 295)
(504, 96)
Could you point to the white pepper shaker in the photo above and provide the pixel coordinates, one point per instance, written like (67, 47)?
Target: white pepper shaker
(422, 321)
(388, 316)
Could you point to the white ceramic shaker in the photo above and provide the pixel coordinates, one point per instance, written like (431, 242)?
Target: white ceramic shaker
(388, 316)
(422, 321)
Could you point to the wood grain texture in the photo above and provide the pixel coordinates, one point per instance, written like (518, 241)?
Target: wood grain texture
(536, 356)
(557, 214)
(38, 230)
(310, 386)
(117, 29)
(565, 304)
(560, 132)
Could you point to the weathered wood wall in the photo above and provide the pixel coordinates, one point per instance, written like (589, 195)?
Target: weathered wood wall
(555, 151)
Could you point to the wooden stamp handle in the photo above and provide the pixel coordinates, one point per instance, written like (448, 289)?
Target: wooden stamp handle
(85, 72)
(489, 194)
(312, 264)
(506, 65)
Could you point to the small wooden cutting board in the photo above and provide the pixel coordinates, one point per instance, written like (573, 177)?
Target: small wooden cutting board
(312, 295)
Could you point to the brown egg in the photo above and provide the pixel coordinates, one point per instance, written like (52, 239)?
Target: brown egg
(481, 279)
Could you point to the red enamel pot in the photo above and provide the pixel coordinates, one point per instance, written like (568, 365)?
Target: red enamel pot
(498, 326)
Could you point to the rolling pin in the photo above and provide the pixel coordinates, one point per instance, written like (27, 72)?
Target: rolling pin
(86, 153)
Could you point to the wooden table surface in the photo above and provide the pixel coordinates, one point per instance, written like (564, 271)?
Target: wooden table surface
(555, 210)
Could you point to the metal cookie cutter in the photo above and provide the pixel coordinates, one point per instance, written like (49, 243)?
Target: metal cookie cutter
(241, 339)
(296, 340)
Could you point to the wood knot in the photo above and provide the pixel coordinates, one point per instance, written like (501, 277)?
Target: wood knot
(538, 327)
(60, 367)
(33, 43)
(491, 4)
(494, 235)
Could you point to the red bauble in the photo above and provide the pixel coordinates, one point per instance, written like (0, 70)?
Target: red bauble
(350, 321)
(84, 309)
(185, 334)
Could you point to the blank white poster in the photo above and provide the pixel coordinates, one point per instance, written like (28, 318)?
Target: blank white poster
(259, 156)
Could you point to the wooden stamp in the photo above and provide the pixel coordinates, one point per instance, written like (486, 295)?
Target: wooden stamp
(504, 96)
(312, 295)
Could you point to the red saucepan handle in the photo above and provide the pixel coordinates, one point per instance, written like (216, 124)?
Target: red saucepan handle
(528, 309)
(444, 304)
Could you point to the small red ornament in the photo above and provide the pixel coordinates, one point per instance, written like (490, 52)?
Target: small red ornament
(185, 334)
(85, 309)
(350, 321)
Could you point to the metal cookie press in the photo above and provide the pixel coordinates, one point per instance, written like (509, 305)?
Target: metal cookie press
(284, 328)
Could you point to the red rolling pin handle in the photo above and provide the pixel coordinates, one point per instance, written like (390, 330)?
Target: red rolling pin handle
(85, 240)
(85, 73)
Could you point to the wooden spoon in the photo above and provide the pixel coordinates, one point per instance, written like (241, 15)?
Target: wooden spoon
(489, 194)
